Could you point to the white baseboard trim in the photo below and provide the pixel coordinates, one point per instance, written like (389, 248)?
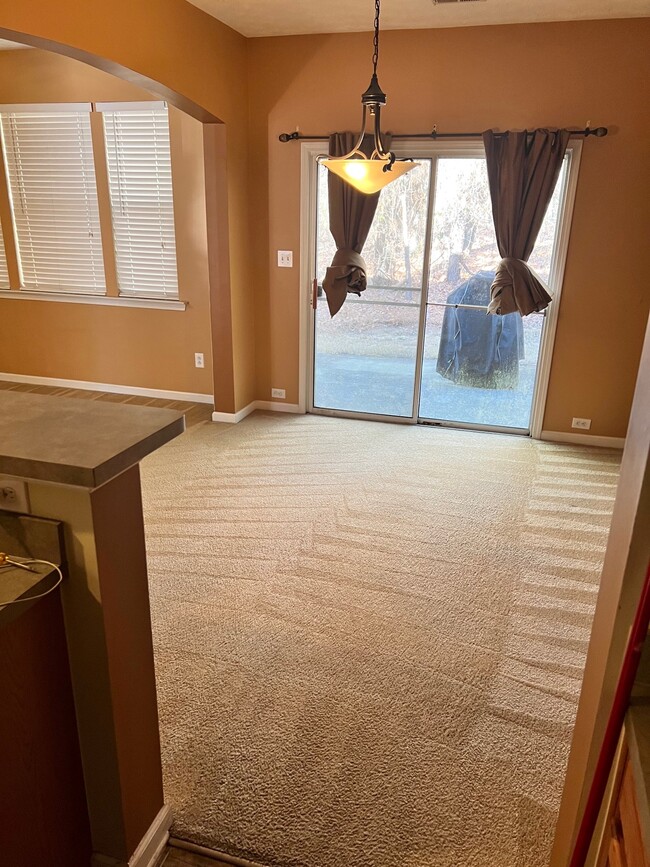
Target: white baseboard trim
(555, 436)
(149, 848)
(272, 405)
(111, 388)
(154, 841)
(222, 857)
(234, 417)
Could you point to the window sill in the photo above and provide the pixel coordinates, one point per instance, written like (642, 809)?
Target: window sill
(102, 300)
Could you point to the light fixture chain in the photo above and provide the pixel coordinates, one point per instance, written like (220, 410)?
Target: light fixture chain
(375, 54)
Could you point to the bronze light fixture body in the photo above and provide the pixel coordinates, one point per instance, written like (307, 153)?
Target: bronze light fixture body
(370, 174)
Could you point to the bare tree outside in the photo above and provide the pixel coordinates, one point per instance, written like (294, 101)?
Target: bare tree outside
(373, 340)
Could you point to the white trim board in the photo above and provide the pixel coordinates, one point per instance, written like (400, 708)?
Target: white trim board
(149, 849)
(272, 405)
(83, 298)
(556, 436)
(111, 388)
(221, 857)
(46, 107)
(154, 841)
(153, 105)
(556, 282)
(234, 417)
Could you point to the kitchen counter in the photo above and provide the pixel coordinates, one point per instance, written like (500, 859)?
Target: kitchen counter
(79, 461)
(83, 443)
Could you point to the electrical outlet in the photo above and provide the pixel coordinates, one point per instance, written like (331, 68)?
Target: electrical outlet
(13, 495)
(199, 361)
(582, 423)
(278, 392)
(285, 259)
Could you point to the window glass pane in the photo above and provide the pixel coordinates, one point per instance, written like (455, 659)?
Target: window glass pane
(54, 199)
(477, 369)
(365, 356)
(462, 238)
(140, 180)
(394, 248)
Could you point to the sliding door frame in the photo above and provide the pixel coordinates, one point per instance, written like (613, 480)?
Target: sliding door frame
(556, 281)
(310, 151)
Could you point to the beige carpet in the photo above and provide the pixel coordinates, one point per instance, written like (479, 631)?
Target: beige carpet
(370, 637)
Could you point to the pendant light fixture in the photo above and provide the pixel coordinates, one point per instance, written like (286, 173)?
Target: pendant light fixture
(370, 174)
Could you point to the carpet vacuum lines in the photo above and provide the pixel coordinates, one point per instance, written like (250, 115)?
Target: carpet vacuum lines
(370, 638)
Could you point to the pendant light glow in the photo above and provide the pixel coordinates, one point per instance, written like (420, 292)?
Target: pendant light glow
(370, 174)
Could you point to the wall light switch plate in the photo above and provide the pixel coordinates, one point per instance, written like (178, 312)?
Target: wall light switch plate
(582, 423)
(199, 360)
(278, 392)
(13, 495)
(285, 259)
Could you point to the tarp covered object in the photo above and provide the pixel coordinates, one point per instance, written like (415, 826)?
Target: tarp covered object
(477, 350)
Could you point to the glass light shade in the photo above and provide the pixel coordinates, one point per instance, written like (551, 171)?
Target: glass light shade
(368, 176)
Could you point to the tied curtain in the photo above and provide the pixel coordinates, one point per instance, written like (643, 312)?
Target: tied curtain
(523, 168)
(351, 216)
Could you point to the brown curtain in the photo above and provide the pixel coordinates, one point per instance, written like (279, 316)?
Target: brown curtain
(351, 216)
(523, 168)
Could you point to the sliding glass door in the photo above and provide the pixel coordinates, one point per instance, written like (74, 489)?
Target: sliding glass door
(419, 345)
(479, 370)
(365, 357)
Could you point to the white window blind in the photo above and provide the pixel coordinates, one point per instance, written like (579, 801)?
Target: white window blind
(54, 198)
(140, 180)
(4, 274)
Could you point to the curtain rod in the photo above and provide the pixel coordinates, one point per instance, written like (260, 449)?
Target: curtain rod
(599, 132)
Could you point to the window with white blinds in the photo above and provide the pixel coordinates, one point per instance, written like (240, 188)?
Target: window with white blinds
(54, 198)
(4, 274)
(140, 181)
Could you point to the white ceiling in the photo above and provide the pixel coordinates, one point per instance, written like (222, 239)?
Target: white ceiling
(291, 17)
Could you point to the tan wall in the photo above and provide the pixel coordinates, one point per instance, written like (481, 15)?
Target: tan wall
(550, 74)
(195, 62)
(469, 79)
(121, 345)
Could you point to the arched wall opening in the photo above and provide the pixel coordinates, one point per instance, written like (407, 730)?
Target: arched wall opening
(208, 115)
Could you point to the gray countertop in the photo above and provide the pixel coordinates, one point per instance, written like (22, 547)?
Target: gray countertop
(83, 443)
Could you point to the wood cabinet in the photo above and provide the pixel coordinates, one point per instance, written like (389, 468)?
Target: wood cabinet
(623, 844)
(44, 815)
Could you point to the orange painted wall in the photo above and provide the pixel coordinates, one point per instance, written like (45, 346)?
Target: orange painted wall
(514, 76)
(468, 78)
(195, 58)
(117, 345)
